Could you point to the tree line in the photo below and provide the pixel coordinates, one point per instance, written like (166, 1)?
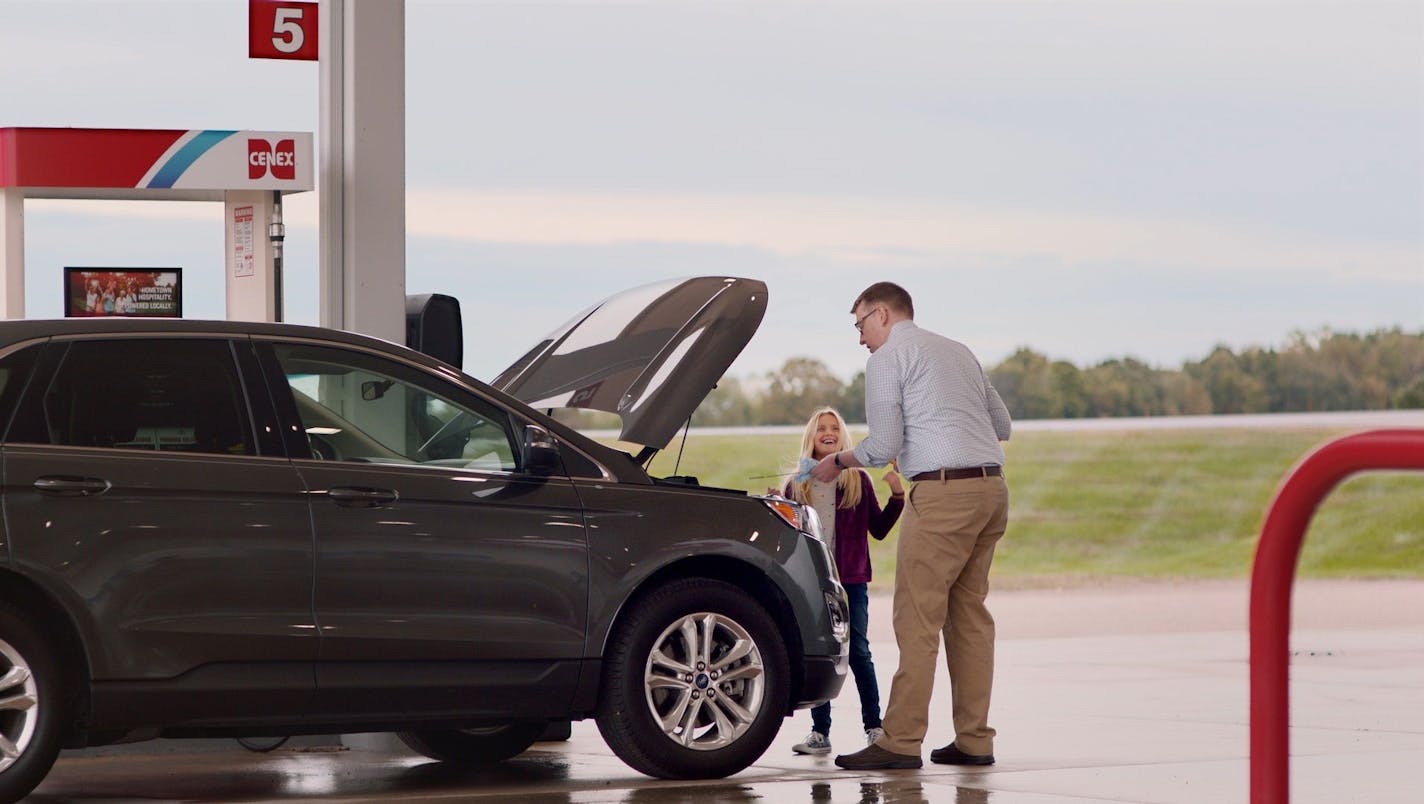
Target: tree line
(1315, 371)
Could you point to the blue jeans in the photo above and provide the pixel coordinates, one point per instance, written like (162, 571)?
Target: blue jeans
(861, 666)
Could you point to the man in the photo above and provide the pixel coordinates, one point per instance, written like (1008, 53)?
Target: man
(928, 402)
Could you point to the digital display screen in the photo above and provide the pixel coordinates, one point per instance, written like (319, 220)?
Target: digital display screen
(139, 292)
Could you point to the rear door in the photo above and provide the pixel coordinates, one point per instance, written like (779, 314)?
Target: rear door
(447, 579)
(139, 489)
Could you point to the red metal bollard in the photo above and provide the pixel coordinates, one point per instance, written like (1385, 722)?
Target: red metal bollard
(1273, 575)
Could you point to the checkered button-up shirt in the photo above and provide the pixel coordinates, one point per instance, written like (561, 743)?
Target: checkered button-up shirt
(929, 403)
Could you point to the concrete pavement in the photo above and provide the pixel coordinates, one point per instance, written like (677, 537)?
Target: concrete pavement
(1126, 693)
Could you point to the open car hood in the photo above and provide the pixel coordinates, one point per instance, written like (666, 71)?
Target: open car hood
(650, 354)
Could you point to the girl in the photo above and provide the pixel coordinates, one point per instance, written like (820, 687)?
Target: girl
(848, 512)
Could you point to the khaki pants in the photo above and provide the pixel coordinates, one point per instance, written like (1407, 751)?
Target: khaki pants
(947, 541)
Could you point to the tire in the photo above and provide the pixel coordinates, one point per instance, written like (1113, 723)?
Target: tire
(33, 705)
(262, 745)
(669, 716)
(474, 746)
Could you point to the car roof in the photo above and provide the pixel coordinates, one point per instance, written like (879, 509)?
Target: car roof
(21, 330)
(25, 329)
(17, 331)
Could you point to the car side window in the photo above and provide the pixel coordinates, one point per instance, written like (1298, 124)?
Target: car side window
(14, 371)
(165, 395)
(359, 407)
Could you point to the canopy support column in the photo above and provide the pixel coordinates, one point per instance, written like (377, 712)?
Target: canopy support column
(12, 252)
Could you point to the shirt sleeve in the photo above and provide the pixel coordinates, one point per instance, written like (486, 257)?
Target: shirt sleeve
(884, 412)
(998, 412)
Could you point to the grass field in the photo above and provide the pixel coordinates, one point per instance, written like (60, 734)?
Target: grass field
(1093, 506)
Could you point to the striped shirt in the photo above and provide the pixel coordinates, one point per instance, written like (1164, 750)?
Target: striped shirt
(928, 402)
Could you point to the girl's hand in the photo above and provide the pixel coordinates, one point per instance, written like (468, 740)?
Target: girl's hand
(892, 477)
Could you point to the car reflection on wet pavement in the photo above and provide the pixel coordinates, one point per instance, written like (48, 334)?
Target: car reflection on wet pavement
(548, 773)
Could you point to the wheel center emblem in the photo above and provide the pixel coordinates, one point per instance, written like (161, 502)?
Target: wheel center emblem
(702, 681)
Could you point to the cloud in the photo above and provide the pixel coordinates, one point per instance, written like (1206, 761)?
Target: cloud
(860, 229)
(850, 231)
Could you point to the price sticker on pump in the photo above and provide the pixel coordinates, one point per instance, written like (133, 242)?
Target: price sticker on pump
(279, 29)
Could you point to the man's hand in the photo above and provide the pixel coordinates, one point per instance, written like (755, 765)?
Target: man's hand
(826, 470)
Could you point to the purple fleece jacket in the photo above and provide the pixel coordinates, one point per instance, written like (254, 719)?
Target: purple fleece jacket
(854, 524)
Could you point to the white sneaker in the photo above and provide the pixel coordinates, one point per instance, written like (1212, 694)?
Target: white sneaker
(872, 736)
(815, 743)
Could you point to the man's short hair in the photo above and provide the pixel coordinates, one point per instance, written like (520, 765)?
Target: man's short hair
(887, 293)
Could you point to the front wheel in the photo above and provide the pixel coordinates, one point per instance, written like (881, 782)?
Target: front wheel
(484, 746)
(32, 705)
(695, 682)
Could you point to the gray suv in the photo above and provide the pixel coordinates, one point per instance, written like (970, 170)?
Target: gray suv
(238, 529)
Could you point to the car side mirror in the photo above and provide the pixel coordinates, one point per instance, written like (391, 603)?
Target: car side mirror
(541, 451)
(371, 390)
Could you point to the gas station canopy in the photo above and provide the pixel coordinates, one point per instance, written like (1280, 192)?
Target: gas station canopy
(248, 171)
(361, 228)
(153, 164)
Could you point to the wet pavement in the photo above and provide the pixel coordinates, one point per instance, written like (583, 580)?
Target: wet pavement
(1130, 694)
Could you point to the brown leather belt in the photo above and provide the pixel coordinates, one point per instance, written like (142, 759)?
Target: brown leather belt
(959, 474)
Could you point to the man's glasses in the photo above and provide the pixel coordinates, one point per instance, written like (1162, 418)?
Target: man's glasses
(860, 322)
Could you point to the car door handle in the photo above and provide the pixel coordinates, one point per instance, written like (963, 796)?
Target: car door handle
(353, 497)
(68, 486)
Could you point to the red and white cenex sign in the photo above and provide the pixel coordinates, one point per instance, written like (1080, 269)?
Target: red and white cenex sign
(262, 157)
(281, 29)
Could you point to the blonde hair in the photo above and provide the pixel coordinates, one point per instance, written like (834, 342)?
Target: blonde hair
(849, 481)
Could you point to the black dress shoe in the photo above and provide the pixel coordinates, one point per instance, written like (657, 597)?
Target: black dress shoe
(873, 757)
(951, 755)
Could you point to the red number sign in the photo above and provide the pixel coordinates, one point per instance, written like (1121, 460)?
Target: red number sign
(280, 29)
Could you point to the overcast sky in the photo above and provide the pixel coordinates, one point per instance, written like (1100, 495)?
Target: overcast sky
(1088, 179)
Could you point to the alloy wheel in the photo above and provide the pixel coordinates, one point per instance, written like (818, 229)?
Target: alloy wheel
(19, 705)
(704, 681)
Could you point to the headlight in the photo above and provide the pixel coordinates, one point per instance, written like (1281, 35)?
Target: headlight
(804, 519)
(812, 522)
(787, 510)
(798, 516)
